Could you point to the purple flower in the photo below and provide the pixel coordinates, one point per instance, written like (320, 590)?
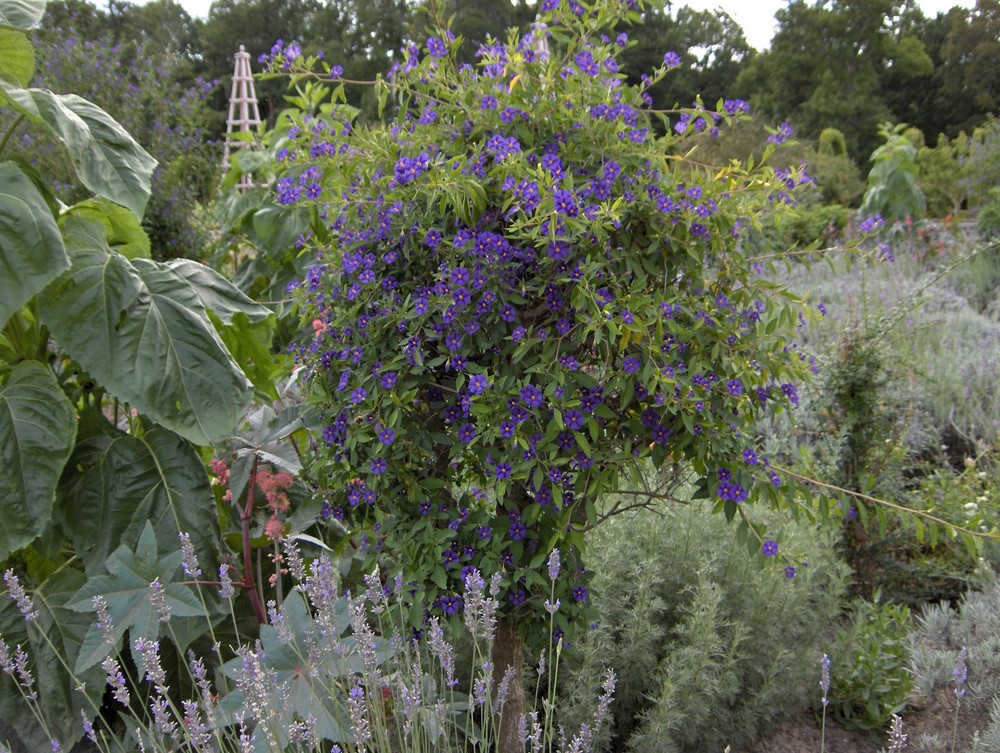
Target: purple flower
(378, 466)
(503, 470)
(782, 135)
(586, 63)
(961, 672)
(478, 384)
(466, 433)
(565, 202)
(671, 59)
(769, 548)
(554, 564)
(531, 395)
(436, 48)
(517, 531)
(580, 593)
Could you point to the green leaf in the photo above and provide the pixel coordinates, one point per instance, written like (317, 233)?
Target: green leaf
(139, 329)
(305, 685)
(246, 327)
(250, 346)
(105, 158)
(126, 590)
(17, 57)
(219, 295)
(54, 644)
(275, 229)
(31, 248)
(21, 14)
(123, 231)
(125, 482)
(37, 431)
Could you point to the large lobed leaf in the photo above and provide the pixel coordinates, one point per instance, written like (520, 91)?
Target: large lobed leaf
(106, 159)
(37, 432)
(125, 482)
(17, 57)
(21, 14)
(246, 327)
(31, 248)
(139, 329)
(126, 590)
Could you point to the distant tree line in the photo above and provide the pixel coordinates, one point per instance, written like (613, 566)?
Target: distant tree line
(846, 64)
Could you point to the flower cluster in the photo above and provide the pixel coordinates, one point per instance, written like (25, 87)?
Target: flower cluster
(526, 292)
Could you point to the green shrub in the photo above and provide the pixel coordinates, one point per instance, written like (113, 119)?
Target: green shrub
(709, 646)
(807, 225)
(988, 220)
(892, 183)
(870, 671)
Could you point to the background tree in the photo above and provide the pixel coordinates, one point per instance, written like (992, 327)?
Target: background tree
(968, 75)
(711, 46)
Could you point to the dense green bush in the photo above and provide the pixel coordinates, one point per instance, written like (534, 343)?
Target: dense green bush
(709, 646)
(893, 191)
(870, 665)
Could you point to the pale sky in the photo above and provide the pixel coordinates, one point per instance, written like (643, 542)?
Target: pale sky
(755, 16)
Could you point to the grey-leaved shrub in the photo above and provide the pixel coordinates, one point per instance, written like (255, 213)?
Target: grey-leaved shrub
(710, 646)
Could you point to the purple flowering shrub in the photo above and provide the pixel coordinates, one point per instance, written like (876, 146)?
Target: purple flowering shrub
(521, 296)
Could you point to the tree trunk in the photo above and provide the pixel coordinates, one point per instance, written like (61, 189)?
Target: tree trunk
(509, 651)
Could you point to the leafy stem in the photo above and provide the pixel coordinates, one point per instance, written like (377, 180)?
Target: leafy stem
(246, 513)
(10, 131)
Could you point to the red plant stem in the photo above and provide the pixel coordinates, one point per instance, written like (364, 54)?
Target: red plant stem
(245, 515)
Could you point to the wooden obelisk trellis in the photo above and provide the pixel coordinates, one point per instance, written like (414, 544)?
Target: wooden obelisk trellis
(243, 112)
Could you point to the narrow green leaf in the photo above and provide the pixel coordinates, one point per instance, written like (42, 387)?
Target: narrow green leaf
(105, 158)
(37, 431)
(21, 14)
(31, 248)
(139, 329)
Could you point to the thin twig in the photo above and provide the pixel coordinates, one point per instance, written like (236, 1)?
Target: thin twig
(891, 505)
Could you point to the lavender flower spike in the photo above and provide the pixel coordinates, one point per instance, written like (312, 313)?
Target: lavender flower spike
(824, 681)
(961, 672)
(16, 592)
(897, 739)
(554, 564)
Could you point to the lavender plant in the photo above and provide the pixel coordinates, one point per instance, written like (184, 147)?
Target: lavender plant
(711, 646)
(327, 668)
